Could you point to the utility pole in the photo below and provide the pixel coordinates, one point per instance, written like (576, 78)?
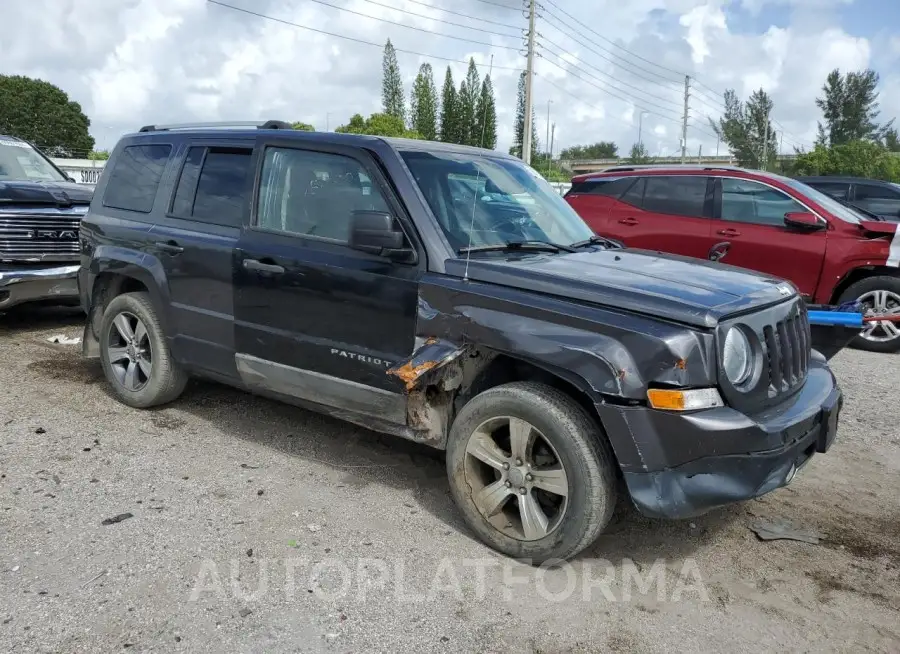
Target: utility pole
(765, 144)
(552, 138)
(529, 74)
(700, 154)
(641, 128)
(684, 120)
(547, 142)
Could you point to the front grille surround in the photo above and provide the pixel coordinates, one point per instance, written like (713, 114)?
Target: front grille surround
(29, 235)
(780, 341)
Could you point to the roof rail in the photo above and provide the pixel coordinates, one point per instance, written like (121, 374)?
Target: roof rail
(624, 168)
(268, 124)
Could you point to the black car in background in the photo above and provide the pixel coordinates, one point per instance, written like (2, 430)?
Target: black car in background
(873, 195)
(40, 212)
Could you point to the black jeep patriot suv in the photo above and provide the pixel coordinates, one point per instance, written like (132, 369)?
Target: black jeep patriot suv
(40, 210)
(448, 295)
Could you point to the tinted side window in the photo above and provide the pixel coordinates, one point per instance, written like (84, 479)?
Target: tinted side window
(608, 186)
(681, 195)
(834, 189)
(746, 201)
(867, 192)
(213, 186)
(135, 176)
(314, 193)
(635, 195)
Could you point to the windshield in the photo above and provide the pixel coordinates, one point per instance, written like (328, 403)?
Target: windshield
(484, 200)
(834, 207)
(19, 162)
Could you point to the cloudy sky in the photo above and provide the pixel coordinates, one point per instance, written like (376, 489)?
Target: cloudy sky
(602, 63)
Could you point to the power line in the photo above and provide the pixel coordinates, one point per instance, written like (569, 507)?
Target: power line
(412, 27)
(459, 13)
(581, 100)
(613, 43)
(500, 4)
(637, 88)
(438, 20)
(350, 38)
(567, 29)
(624, 99)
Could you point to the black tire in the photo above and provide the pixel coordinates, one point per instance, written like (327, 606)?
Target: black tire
(582, 449)
(166, 380)
(860, 288)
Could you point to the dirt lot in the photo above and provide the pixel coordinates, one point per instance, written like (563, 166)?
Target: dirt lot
(257, 527)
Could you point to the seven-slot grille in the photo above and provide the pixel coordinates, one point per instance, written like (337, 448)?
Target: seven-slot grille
(787, 346)
(39, 235)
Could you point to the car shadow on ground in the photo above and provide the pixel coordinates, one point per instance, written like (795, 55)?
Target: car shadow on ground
(26, 318)
(363, 457)
(368, 457)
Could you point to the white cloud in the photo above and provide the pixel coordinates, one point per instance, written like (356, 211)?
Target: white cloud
(133, 62)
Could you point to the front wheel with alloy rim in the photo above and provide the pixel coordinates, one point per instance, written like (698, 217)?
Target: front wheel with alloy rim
(531, 472)
(135, 356)
(879, 296)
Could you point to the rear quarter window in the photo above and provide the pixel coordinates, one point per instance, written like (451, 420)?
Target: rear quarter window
(135, 176)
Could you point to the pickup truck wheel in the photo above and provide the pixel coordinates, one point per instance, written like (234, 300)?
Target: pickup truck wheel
(135, 356)
(531, 472)
(881, 297)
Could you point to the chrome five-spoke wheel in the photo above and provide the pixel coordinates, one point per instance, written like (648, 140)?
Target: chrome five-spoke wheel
(517, 479)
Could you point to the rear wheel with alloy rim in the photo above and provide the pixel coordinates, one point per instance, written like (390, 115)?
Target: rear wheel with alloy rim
(880, 297)
(531, 472)
(135, 355)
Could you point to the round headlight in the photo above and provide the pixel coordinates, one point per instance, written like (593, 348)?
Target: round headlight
(737, 357)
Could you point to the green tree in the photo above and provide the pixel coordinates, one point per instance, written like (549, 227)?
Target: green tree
(600, 150)
(380, 124)
(743, 128)
(303, 127)
(859, 158)
(392, 84)
(638, 154)
(486, 116)
(850, 108)
(891, 140)
(424, 104)
(467, 116)
(449, 121)
(37, 111)
(519, 127)
(98, 155)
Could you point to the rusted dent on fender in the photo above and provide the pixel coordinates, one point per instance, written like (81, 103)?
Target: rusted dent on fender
(430, 356)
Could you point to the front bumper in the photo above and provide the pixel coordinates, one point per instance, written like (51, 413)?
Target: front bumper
(690, 464)
(33, 284)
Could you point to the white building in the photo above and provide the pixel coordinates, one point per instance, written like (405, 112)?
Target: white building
(84, 171)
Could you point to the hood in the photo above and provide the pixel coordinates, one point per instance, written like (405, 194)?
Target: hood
(690, 291)
(55, 194)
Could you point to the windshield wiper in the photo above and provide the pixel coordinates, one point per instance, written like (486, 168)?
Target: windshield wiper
(864, 212)
(512, 246)
(598, 240)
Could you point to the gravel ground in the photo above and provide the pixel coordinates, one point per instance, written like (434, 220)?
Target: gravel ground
(258, 527)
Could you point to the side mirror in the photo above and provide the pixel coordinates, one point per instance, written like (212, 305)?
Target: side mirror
(374, 232)
(803, 220)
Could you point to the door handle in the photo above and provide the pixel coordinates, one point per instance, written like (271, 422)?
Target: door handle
(629, 221)
(728, 232)
(259, 266)
(169, 246)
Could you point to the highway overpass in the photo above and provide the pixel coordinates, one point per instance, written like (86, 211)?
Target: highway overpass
(579, 166)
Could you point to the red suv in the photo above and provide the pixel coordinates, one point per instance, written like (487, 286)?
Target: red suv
(832, 252)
